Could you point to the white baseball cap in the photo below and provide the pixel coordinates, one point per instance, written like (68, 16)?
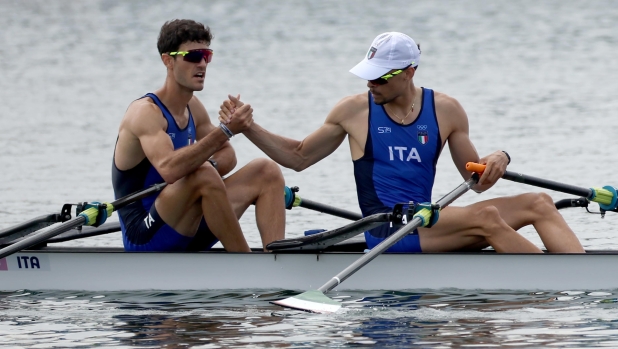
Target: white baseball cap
(388, 51)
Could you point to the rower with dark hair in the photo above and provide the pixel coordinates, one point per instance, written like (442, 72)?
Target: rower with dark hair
(167, 136)
(396, 133)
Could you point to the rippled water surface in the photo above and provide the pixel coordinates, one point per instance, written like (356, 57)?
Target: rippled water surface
(245, 319)
(537, 79)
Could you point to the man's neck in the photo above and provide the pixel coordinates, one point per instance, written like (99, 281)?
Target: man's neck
(405, 100)
(175, 97)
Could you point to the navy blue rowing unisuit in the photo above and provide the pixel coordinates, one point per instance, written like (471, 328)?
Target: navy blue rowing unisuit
(142, 227)
(399, 165)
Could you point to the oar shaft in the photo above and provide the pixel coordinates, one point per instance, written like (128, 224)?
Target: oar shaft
(316, 206)
(41, 237)
(126, 200)
(393, 239)
(30, 226)
(547, 184)
(76, 222)
(606, 197)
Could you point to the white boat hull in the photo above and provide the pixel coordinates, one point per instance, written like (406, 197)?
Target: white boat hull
(114, 270)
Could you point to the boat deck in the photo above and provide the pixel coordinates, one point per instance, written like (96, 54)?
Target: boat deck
(356, 247)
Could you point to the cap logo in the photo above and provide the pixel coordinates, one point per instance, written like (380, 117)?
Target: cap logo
(371, 53)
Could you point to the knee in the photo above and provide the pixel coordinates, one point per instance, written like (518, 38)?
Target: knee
(543, 202)
(538, 205)
(489, 220)
(267, 170)
(206, 179)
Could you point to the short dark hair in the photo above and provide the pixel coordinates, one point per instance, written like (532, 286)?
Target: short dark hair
(178, 31)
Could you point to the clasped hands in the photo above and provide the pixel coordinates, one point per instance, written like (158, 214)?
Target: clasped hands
(236, 115)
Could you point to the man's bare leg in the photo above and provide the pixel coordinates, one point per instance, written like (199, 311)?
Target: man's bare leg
(475, 226)
(260, 182)
(202, 194)
(538, 209)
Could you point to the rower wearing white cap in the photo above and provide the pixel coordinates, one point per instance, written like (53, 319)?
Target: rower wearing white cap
(396, 133)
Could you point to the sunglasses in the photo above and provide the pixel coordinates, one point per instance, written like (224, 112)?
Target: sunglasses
(194, 56)
(383, 80)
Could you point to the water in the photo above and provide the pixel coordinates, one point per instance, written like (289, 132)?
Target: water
(243, 318)
(536, 78)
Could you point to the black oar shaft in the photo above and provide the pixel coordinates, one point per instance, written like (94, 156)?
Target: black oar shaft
(76, 222)
(316, 206)
(393, 239)
(547, 184)
(124, 201)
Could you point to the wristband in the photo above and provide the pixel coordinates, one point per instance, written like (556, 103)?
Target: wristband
(507, 156)
(226, 130)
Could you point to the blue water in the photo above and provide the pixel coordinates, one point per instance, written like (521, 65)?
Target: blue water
(537, 79)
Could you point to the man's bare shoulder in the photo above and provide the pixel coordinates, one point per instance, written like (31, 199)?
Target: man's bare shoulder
(201, 118)
(196, 106)
(140, 107)
(349, 107)
(353, 101)
(449, 110)
(200, 115)
(446, 103)
(143, 114)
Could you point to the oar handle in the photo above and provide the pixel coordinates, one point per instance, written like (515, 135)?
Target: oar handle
(606, 196)
(476, 168)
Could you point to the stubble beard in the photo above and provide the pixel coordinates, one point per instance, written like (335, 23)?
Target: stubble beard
(189, 85)
(383, 101)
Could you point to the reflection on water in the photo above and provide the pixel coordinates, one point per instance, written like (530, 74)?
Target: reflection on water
(214, 319)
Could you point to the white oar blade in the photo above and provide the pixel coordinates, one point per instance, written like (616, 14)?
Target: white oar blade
(313, 301)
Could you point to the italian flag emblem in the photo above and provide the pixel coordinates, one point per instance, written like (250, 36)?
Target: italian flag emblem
(423, 138)
(372, 52)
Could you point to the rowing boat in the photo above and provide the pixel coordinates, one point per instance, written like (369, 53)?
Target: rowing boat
(297, 263)
(112, 269)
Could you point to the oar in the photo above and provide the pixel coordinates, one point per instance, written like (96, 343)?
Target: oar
(9, 235)
(316, 301)
(88, 216)
(292, 199)
(607, 196)
(30, 226)
(325, 239)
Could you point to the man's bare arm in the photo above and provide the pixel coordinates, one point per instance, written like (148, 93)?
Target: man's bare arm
(298, 155)
(294, 154)
(463, 151)
(159, 149)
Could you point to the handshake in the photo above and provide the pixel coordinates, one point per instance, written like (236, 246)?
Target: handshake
(235, 115)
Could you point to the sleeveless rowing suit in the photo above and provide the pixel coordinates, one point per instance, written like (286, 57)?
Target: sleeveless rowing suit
(142, 227)
(399, 166)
